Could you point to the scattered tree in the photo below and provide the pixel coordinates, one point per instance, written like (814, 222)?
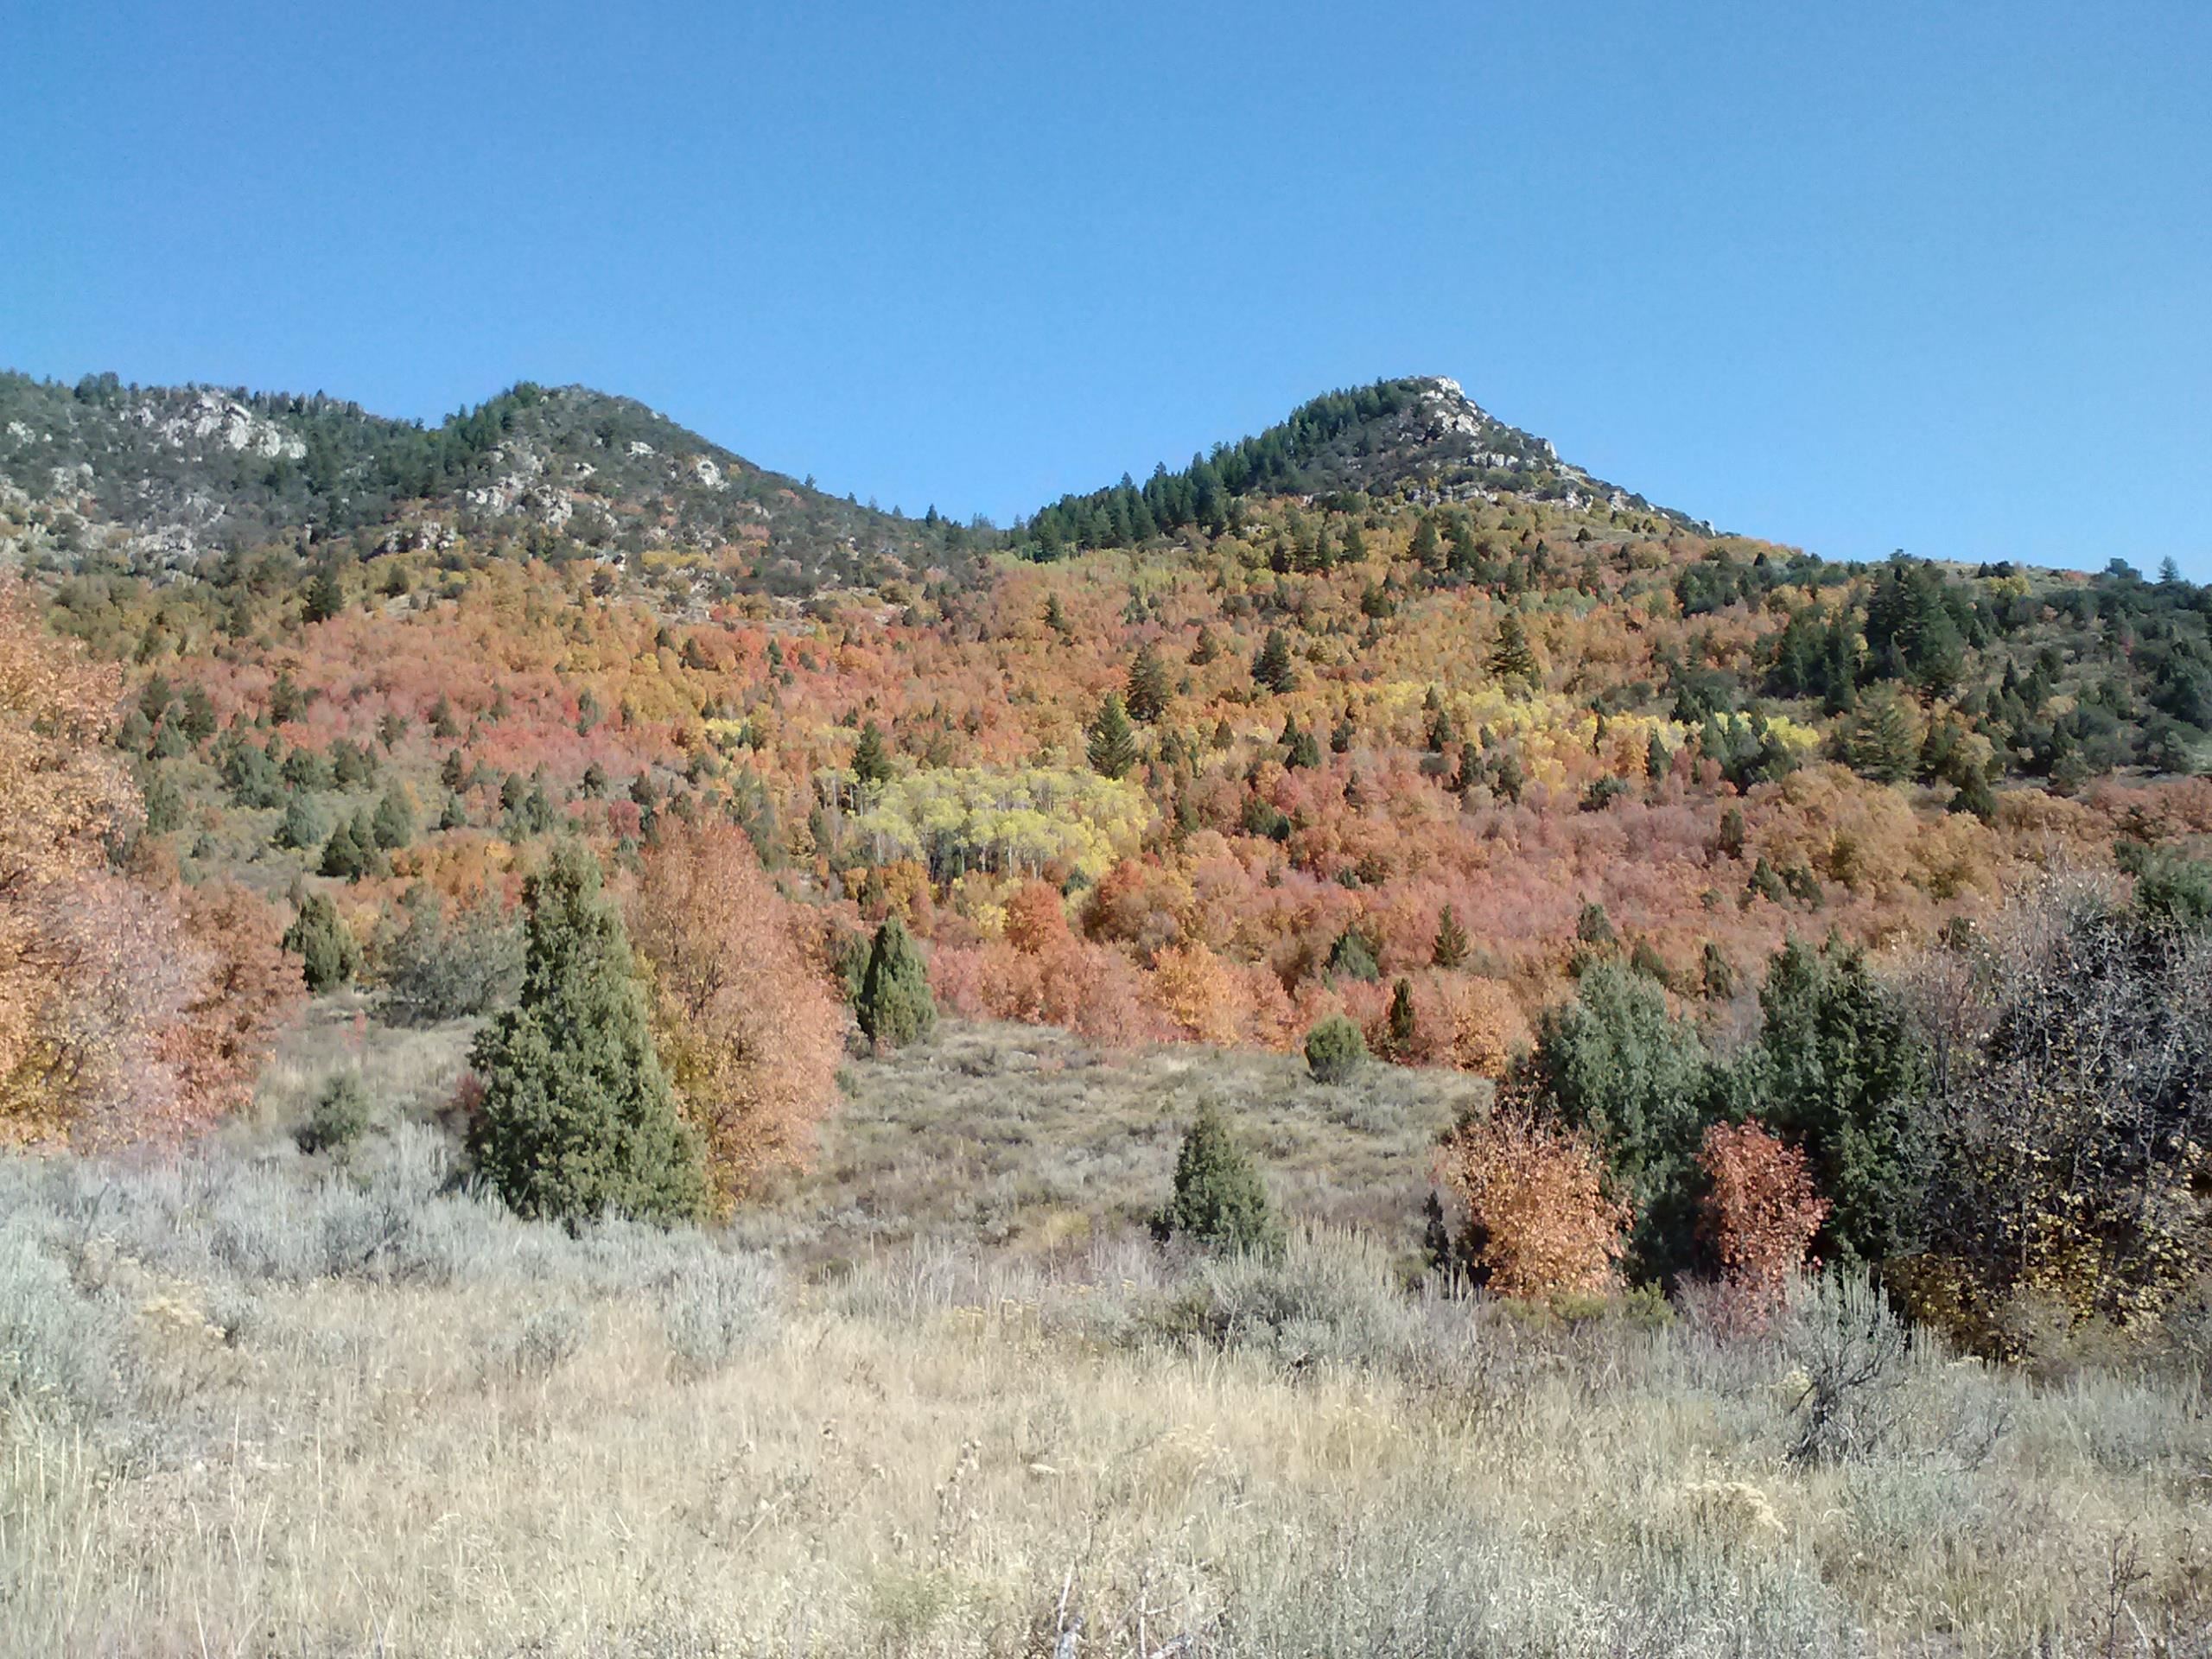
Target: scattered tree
(577, 1118)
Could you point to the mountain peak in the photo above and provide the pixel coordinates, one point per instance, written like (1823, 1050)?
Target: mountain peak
(1424, 436)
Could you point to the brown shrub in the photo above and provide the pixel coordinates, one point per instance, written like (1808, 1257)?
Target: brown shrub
(1538, 1219)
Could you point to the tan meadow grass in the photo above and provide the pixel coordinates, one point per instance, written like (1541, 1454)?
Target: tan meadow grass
(254, 1407)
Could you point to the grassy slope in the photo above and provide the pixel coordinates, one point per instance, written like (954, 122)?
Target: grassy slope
(249, 1407)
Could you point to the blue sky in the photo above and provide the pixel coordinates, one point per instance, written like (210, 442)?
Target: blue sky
(1935, 276)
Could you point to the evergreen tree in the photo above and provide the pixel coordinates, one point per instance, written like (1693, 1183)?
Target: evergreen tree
(1207, 649)
(1403, 1027)
(1056, 619)
(1881, 745)
(1974, 795)
(325, 596)
(1299, 744)
(871, 762)
(329, 955)
(1511, 658)
(393, 826)
(1148, 689)
(1272, 668)
(895, 1007)
(1113, 747)
(1219, 1199)
(1766, 883)
(344, 857)
(1617, 1065)
(578, 1119)
(1716, 974)
(302, 827)
(164, 801)
(1838, 1070)
(1352, 957)
(305, 769)
(1335, 1049)
(1510, 777)
(1730, 839)
(1450, 947)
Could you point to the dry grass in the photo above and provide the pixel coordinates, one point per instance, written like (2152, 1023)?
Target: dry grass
(1021, 1137)
(409, 1072)
(250, 1406)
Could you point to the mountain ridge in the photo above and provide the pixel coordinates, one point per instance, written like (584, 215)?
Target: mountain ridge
(167, 475)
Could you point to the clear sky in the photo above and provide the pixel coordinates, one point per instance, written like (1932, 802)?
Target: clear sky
(1927, 274)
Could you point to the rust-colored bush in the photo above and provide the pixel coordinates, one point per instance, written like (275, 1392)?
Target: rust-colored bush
(1760, 1210)
(1538, 1220)
(750, 1034)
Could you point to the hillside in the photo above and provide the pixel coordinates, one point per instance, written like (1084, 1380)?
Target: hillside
(1420, 440)
(1419, 1055)
(171, 476)
(1385, 659)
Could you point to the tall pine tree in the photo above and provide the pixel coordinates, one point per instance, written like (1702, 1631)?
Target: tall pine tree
(1113, 746)
(578, 1118)
(1272, 667)
(1148, 689)
(1511, 658)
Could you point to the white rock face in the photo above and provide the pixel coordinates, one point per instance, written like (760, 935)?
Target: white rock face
(212, 417)
(406, 539)
(709, 473)
(639, 446)
(524, 488)
(19, 432)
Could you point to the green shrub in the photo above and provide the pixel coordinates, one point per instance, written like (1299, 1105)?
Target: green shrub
(329, 955)
(437, 969)
(1352, 957)
(895, 1007)
(301, 828)
(338, 1117)
(1334, 1049)
(1219, 1198)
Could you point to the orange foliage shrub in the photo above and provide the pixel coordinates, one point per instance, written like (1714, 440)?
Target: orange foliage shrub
(252, 990)
(1473, 1024)
(1761, 1212)
(1201, 998)
(1538, 1219)
(751, 1035)
(96, 968)
(1137, 904)
(1092, 989)
(1036, 920)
